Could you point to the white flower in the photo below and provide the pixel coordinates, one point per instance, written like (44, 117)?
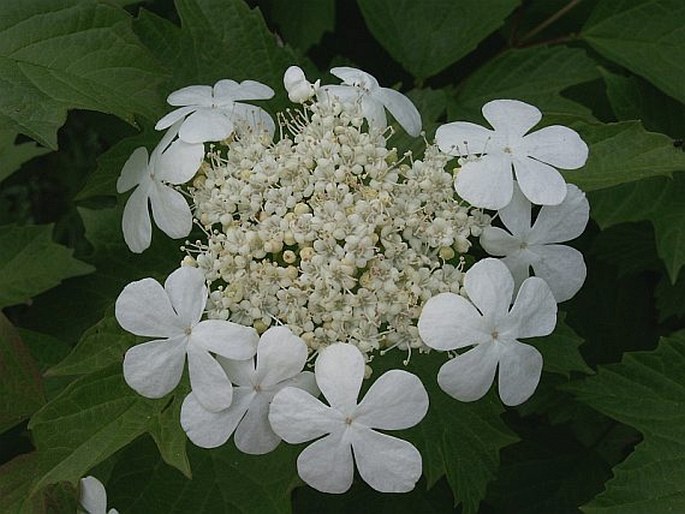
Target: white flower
(487, 181)
(212, 111)
(449, 321)
(298, 87)
(397, 400)
(280, 358)
(93, 497)
(561, 266)
(358, 85)
(170, 163)
(154, 368)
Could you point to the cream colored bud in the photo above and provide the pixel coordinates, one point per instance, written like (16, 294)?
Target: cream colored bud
(446, 253)
(301, 208)
(307, 253)
(260, 326)
(189, 261)
(289, 257)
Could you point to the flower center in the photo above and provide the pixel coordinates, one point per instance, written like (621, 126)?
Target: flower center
(188, 331)
(494, 335)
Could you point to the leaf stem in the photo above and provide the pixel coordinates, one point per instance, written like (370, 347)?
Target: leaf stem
(561, 12)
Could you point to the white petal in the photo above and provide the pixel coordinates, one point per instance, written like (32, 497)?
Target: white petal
(305, 380)
(388, 464)
(191, 95)
(208, 429)
(463, 138)
(490, 287)
(374, 112)
(187, 292)
(171, 211)
(254, 434)
(563, 222)
(280, 355)
(511, 118)
(135, 222)
(154, 368)
(353, 76)
(143, 308)
(177, 114)
(327, 465)
(134, 171)
(296, 416)
(339, 370)
(534, 312)
(239, 372)
(486, 182)
(395, 401)
(256, 117)
(343, 94)
(208, 380)
(205, 125)
(179, 163)
(562, 267)
(402, 109)
(468, 376)
(518, 264)
(226, 338)
(93, 497)
(520, 367)
(497, 241)
(229, 90)
(556, 145)
(516, 215)
(539, 182)
(449, 321)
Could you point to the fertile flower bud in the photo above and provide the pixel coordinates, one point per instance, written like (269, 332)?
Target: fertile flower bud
(298, 87)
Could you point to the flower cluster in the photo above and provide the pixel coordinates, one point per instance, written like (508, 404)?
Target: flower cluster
(328, 245)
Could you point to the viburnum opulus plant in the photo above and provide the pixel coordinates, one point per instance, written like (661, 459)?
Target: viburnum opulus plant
(324, 249)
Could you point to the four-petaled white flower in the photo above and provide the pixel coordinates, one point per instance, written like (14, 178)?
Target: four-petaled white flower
(173, 312)
(486, 181)
(298, 87)
(397, 400)
(212, 111)
(170, 163)
(281, 355)
(93, 497)
(561, 266)
(360, 86)
(449, 321)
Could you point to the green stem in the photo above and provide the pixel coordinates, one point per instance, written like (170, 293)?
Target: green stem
(561, 12)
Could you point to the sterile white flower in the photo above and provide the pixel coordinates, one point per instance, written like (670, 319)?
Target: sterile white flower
(173, 312)
(486, 181)
(397, 400)
(280, 358)
(209, 113)
(93, 497)
(561, 266)
(170, 163)
(485, 321)
(359, 85)
(298, 87)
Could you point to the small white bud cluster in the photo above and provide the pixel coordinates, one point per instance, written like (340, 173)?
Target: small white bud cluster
(328, 231)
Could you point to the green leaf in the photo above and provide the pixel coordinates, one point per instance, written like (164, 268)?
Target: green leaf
(15, 485)
(548, 472)
(670, 298)
(71, 54)
(623, 152)
(169, 436)
(224, 480)
(632, 98)
(645, 36)
(12, 155)
(32, 263)
(456, 439)
(102, 345)
(560, 350)
(302, 24)
(21, 390)
(89, 421)
(646, 391)
(161, 37)
(628, 246)
(658, 200)
(234, 44)
(426, 39)
(535, 75)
